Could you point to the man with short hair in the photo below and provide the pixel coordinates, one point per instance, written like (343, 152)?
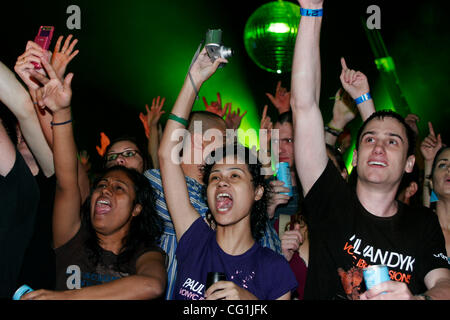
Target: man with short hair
(352, 229)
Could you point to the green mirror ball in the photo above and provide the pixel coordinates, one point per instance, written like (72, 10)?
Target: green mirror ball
(270, 34)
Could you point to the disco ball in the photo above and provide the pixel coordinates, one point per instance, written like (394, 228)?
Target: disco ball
(270, 33)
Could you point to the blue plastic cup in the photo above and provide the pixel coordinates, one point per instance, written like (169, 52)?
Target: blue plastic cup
(21, 291)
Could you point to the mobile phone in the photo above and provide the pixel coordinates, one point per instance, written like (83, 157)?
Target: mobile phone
(43, 39)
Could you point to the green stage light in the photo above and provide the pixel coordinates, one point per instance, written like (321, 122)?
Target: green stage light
(385, 64)
(270, 33)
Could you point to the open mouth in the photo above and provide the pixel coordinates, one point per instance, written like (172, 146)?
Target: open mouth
(379, 164)
(102, 206)
(224, 202)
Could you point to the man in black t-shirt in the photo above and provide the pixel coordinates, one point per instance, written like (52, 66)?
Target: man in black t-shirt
(350, 229)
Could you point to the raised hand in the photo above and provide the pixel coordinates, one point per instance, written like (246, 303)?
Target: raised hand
(84, 159)
(56, 93)
(412, 119)
(216, 106)
(61, 57)
(431, 144)
(203, 68)
(282, 98)
(266, 123)
(104, 143)
(344, 109)
(24, 66)
(354, 82)
(153, 114)
(233, 118)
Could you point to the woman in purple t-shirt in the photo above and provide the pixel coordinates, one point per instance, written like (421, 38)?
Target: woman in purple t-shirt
(236, 196)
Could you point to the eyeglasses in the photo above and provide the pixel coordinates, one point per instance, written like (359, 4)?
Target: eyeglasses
(125, 154)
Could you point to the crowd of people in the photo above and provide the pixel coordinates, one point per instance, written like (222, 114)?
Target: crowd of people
(157, 218)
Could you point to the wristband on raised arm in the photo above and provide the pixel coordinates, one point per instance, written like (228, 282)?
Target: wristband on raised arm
(173, 117)
(363, 98)
(311, 12)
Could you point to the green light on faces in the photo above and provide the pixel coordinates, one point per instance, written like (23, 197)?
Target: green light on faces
(278, 28)
(382, 101)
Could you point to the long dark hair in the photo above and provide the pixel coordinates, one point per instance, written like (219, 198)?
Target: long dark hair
(145, 228)
(258, 214)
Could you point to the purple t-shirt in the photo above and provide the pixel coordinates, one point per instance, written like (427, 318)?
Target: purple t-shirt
(261, 271)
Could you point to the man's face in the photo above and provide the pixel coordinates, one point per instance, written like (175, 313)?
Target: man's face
(382, 155)
(285, 143)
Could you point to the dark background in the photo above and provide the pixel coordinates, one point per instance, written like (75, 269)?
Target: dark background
(132, 51)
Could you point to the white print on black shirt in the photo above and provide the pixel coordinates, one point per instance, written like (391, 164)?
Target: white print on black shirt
(375, 256)
(443, 256)
(365, 255)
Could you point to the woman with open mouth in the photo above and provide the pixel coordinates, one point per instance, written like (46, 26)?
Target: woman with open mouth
(237, 198)
(108, 251)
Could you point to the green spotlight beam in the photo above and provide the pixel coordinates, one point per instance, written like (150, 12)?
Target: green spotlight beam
(386, 66)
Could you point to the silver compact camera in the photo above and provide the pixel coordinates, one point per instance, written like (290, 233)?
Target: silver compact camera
(214, 47)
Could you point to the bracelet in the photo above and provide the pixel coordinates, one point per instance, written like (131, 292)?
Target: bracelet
(60, 123)
(363, 98)
(173, 117)
(334, 128)
(193, 85)
(311, 12)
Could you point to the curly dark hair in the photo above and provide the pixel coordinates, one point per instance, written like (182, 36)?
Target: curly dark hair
(145, 228)
(258, 214)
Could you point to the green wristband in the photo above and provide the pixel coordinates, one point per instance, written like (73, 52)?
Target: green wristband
(173, 117)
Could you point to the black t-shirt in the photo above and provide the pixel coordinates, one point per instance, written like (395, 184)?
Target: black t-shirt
(38, 268)
(19, 198)
(345, 237)
(75, 270)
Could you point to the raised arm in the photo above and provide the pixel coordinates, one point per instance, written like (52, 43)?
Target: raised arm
(59, 61)
(56, 95)
(173, 180)
(357, 85)
(281, 100)
(150, 122)
(17, 99)
(342, 114)
(310, 152)
(7, 152)
(429, 147)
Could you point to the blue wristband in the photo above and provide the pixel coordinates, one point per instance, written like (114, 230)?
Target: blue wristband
(311, 12)
(363, 98)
